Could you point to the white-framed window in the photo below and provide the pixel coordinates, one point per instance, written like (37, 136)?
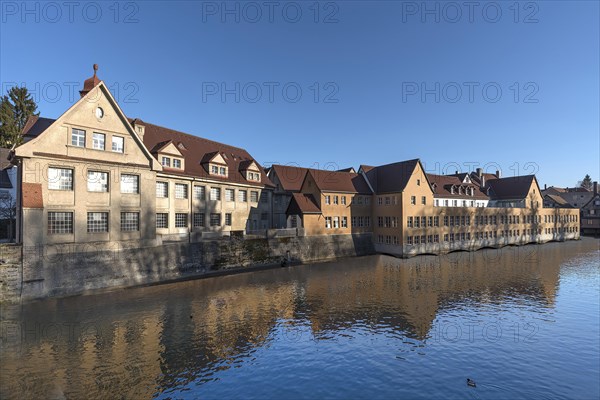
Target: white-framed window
(228, 219)
(198, 220)
(98, 141)
(97, 181)
(367, 201)
(254, 196)
(344, 200)
(336, 222)
(181, 191)
(336, 200)
(199, 192)
(130, 221)
(423, 200)
(328, 222)
(60, 222)
(243, 196)
(97, 222)
(327, 199)
(222, 171)
(215, 194)
(130, 183)
(388, 200)
(181, 220)
(344, 222)
(118, 144)
(215, 219)
(162, 220)
(162, 189)
(176, 163)
(413, 200)
(78, 137)
(60, 178)
(166, 162)
(229, 195)
(254, 176)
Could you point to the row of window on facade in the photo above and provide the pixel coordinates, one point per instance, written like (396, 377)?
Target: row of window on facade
(78, 137)
(465, 220)
(457, 203)
(181, 192)
(98, 181)
(166, 162)
(61, 222)
(466, 236)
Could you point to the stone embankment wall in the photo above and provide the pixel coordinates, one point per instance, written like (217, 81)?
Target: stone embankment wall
(52, 271)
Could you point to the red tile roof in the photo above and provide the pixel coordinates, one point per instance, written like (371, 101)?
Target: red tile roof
(290, 177)
(302, 204)
(442, 187)
(335, 181)
(32, 195)
(198, 151)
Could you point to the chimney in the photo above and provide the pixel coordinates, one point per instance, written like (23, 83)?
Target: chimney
(456, 172)
(479, 172)
(498, 173)
(90, 83)
(595, 187)
(482, 181)
(545, 186)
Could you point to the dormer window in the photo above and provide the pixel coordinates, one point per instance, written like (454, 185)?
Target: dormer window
(166, 162)
(452, 190)
(218, 170)
(176, 163)
(253, 176)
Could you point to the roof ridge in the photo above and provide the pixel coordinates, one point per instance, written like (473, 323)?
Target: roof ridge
(192, 136)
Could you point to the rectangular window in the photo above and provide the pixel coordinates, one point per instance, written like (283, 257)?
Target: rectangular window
(336, 200)
(162, 189)
(60, 179)
(328, 222)
(413, 200)
(166, 162)
(264, 197)
(60, 222)
(388, 222)
(327, 199)
(130, 183)
(336, 222)
(176, 163)
(199, 192)
(254, 197)
(97, 181)
(344, 222)
(98, 141)
(162, 220)
(423, 200)
(214, 169)
(344, 200)
(229, 195)
(367, 201)
(436, 221)
(97, 222)
(409, 240)
(118, 144)
(215, 194)
(417, 222)
(353, 220)
(130, 221)
(181, 191)
(78, 137)
(243, 196)
(198, 220)
(445, 220)
(181, 220)
(388, 201)
(228, 219)
(222, 171)
(215, 219)
(429, 221)
(409, 222)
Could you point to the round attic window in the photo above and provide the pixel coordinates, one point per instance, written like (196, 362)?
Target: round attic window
(99, 113)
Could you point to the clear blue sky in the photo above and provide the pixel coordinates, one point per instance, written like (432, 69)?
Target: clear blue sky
(370, 61)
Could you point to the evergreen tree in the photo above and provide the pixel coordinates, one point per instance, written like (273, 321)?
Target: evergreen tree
(587, 183)
(15, 108)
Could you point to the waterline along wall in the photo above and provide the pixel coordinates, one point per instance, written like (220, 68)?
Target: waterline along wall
(63, 270)
(28, 273)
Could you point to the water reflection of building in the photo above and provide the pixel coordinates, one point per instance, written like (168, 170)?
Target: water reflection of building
(137, 343)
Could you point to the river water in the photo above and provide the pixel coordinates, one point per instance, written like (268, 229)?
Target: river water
(522, 322)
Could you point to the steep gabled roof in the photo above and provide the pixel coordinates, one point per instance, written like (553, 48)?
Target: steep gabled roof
(512, 188)
(198, 151)
(335, 181)
(594, 197)
(391, 178)
(349, 169)
(302, 204)
(36, 125)
(558, 200)
(290, 177)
